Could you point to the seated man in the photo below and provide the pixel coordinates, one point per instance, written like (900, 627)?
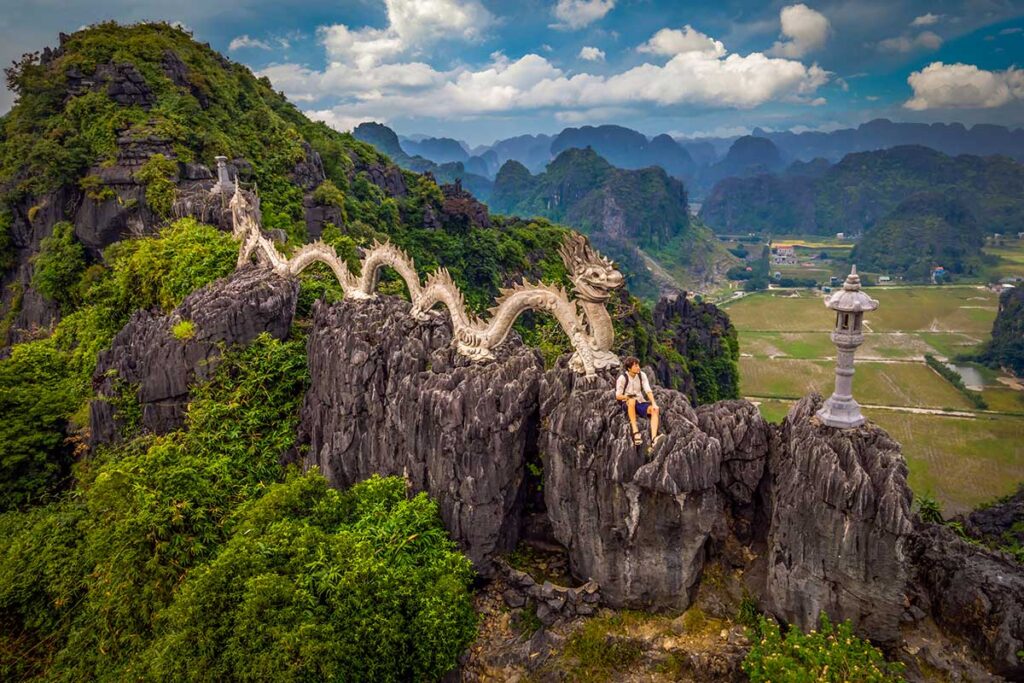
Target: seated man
(630, 389)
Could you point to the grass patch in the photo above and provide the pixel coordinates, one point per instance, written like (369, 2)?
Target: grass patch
(963, 462)
(183, 330)
(969, 310)
(600, 649)
(887, 384)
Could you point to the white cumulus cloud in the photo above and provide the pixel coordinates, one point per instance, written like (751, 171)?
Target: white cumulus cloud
(926, 40)
(948, 86)
(371, 74)
(411, 25)
(574, 14)
(671, 41)
(244, 41)
(926, 19)
(803, 30)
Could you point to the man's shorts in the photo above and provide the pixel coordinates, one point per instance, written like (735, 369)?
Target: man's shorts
(641, 408)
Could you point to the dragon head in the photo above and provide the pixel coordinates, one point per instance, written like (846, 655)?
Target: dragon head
(594, 276)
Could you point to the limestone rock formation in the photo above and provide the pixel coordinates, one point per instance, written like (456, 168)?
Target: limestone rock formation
(146, 355)
(390, 395)
(744, 437)
(975, 595)
(638, 526)
(840, 523)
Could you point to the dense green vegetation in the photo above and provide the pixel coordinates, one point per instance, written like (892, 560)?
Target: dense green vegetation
(926, 230)
(859, 191)
(1006, 348)
(830, 653)
(197, 556)
(48, 382)
(59, 265)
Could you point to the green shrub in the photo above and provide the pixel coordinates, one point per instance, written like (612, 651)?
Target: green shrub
(183, 330)
(316, 584)
(160, 271)
(328, 194)
(158, 175)
(832, 653)
(928, 508)
(95, 190)
(59, 266)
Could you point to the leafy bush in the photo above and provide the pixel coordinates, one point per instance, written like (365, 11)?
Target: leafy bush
(316, 584)
(832, 653)
(158, 174)
(59, 265)
(928, 508)
(328, 194)
(183, 330)
(159, 272)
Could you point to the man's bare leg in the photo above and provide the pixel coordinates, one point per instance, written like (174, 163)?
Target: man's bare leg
(655, 414)
(631, 410)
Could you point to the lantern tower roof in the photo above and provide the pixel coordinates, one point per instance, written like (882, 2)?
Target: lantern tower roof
(850, 299)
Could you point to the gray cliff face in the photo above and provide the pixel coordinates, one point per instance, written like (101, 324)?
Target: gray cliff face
(975, 595)
(818, 518)
(146, 354)
(390, 396)
(840, 522)
(638, 526)
(744, 437)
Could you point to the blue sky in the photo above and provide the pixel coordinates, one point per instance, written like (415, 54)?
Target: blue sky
(479, 70)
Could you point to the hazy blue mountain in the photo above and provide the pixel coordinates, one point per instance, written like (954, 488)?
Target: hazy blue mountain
(853, 195)
(622, 210)
(388, 142)
(948, 138)
(438, 150)
(627, 148)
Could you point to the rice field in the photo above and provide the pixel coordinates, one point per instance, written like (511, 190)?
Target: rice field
(961, 461)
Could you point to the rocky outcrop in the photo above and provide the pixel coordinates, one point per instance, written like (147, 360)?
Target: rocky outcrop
(974, 595)
(389, 395)
(744, 437)
(553, 602)
(460, 210)
(123, 83)
(840, 523)
(703, 335)
(120, 209)
(149, 359)
(640, 526)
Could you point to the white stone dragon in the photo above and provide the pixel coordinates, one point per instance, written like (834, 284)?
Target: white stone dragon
(594, 278)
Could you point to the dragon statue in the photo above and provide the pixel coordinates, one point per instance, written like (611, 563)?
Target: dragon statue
(594, 278)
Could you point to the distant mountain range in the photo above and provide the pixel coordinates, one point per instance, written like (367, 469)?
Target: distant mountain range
(914, 205)
(632, 214)
(702, 162)
(388, 142)
(853, 195)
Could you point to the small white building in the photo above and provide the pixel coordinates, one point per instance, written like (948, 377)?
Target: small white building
(784, 254)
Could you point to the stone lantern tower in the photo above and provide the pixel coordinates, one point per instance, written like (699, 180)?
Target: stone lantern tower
(849, 303)
(224, 184)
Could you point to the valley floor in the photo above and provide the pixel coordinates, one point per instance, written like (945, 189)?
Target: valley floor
(958, 454)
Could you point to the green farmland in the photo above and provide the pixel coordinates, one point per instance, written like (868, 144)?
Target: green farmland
(956, 453)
